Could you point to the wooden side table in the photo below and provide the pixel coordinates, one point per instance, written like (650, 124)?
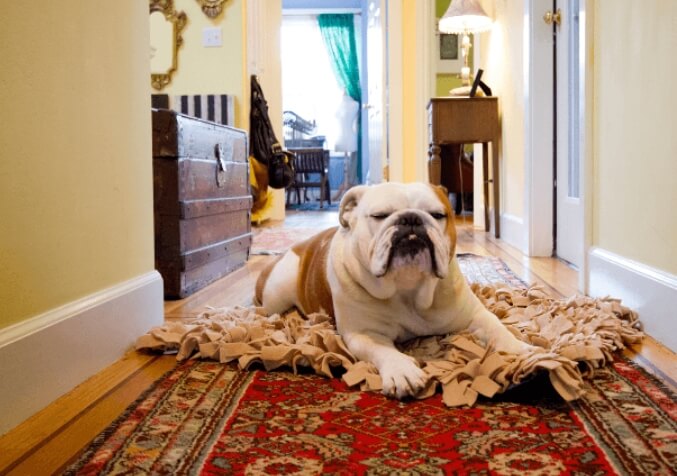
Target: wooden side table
(464, 120)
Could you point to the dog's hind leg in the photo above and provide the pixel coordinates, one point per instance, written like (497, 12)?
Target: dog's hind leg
(276, 288)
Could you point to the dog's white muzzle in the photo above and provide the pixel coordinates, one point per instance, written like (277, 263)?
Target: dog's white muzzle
(409, 238)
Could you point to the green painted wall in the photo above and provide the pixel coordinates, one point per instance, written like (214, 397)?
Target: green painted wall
(445, 82)
(441, 7)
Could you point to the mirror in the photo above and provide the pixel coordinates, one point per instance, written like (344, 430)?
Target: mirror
(211, 8)
(166, 26)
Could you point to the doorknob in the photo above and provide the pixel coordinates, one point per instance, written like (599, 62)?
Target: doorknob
(550, 18)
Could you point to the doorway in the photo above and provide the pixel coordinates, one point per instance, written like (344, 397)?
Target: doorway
(557, 131)
(322, 108)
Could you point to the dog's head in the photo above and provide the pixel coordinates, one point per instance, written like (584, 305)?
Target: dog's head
(396, 227)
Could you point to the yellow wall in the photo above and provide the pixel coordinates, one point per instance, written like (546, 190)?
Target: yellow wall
(75, 172)
(216, 70)
(635, 149)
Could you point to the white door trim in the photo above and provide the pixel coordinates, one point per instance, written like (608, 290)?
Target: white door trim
(587, 148)
(374, 107)
(538, 60)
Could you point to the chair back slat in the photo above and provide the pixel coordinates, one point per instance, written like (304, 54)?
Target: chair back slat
(313, 161)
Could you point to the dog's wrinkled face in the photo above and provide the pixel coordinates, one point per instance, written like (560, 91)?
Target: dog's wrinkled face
(403, 228)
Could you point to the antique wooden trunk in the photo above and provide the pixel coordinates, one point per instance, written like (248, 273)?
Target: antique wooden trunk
(202, 201)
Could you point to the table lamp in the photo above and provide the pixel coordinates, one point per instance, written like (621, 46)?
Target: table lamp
(465, 17)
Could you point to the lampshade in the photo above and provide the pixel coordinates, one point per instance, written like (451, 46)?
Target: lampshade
(464, 16)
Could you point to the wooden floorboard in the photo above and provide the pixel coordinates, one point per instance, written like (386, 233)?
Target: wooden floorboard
(48, 440)
(235, 290)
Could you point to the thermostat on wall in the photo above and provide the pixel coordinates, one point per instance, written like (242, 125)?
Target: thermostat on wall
(211, 37)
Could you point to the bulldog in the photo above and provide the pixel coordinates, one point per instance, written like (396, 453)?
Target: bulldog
(387, 274)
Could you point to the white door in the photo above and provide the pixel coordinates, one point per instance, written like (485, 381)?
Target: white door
(375, 97)
(569, 107)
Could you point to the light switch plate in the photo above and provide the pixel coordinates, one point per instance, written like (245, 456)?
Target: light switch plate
(211, 37)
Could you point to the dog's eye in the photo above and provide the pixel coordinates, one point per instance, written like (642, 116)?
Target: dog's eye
(380, 216)
(438, 216)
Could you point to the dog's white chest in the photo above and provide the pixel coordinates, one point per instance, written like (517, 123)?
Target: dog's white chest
(410, 322)
(410, 277)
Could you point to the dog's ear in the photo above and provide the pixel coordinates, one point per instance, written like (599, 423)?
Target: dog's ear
(450, 231)
(444, 191)
(441, 192)
(348, 204)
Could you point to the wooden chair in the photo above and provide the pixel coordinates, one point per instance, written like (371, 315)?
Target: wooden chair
(311, 168)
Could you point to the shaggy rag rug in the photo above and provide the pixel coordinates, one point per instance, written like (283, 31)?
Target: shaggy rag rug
(208, 417)
(571, 338)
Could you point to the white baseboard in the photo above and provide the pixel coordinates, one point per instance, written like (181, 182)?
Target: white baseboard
(513, 232)
(649, 291)
(46, 356)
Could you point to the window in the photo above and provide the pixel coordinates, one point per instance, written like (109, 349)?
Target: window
(309, 87)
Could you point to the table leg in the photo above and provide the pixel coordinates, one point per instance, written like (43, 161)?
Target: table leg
(494, 178)
(485, 180)
(434, 164)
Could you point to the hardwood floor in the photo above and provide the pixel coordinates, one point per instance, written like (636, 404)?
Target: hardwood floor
(51, 438)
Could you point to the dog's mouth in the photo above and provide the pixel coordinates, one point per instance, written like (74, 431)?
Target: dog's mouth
(411, 247)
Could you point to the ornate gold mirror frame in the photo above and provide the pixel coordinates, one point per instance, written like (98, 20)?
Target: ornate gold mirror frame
(177, 22)
(212, 8)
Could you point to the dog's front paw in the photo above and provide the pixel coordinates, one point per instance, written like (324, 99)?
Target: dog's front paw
(513, 345)
(402, 377)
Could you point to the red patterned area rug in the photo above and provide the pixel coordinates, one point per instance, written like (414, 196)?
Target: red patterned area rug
(277, 240)
(208, 418)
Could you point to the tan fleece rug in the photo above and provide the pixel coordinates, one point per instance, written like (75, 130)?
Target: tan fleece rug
(573, 338)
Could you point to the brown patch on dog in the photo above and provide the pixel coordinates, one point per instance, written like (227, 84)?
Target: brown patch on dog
(313, 289)
(262, 279)
(450, 230)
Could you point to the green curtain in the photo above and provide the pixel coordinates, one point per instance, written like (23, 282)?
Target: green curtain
(338, 33)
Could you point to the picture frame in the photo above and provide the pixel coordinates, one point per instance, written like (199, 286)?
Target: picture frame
(476, 83)
(448, 55)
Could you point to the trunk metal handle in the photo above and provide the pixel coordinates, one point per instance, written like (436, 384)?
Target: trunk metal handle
(220, 165)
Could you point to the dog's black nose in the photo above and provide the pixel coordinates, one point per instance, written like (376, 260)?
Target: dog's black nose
(410, 219)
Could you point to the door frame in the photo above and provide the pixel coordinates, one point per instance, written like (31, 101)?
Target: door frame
(586, 25)
(262, 58)
(423, 23)
(539, 134)
(538, 129)
(262, 16)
